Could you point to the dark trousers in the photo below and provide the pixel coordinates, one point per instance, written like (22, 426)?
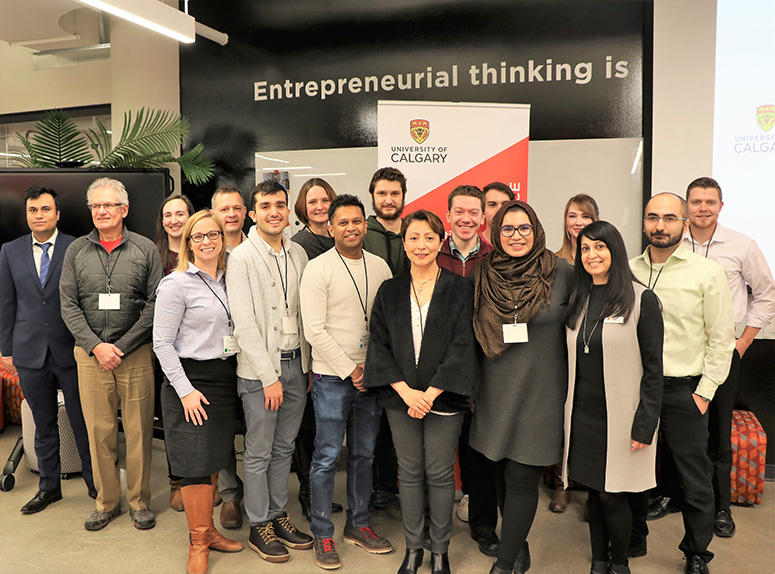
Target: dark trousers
(304, 447)
(610, 524)
(720, 435)
(519, 484)
(385, 460)
(685, 432)
(477, 472)
(40, 389)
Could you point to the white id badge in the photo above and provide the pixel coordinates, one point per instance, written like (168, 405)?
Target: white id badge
(290, 325)
(613, 321)
(515, 333)
(230, 344)
(109, 301)
(365, 339)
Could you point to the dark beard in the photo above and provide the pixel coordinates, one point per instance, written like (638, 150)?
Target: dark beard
(671, 241)
(390, 217)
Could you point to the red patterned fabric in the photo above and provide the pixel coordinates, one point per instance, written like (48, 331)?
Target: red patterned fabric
(749, 450)
(12, 395)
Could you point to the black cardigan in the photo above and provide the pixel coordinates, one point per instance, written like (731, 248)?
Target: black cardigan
(448, 358)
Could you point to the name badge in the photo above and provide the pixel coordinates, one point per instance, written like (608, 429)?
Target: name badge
(230, 346)
(109, 301)
(515, 333)
(290, 325)
(364, 339)
(613, 321)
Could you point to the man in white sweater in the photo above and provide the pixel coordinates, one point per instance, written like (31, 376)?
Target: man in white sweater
(336, 293)
(262, 280)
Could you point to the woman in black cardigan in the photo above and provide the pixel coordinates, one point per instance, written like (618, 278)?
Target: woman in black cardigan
(422, 360)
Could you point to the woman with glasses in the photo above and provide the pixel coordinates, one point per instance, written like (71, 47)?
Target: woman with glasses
(580, 211)
(614, 340)
(311, 208)
(521, 292)
(193, 340)
(173, 214)
(422, 358)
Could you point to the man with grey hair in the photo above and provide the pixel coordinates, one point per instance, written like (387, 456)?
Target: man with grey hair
(108, 291)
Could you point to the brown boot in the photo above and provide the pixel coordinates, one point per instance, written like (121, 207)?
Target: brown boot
(176, 499)
(222, 544)
(560, 499)
(198, 500)
(217, 499)
(231, 516)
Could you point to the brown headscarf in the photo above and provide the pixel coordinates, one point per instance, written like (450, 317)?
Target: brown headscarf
(501, 279)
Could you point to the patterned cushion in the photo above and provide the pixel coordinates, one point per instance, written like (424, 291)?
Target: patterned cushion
(12, 395)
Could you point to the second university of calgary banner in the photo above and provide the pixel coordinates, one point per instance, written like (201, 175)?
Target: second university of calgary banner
(440, 145)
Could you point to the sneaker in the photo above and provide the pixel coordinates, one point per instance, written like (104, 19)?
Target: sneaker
(326, 555)
(143, 519)
(367, 539)
(98, 520)
(264, 541)
(289, 535)
(462, 509)
(723, 525)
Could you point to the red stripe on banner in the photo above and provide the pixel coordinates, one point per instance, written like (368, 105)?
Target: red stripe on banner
(508, 166)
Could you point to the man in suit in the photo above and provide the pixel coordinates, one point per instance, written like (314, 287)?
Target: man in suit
(34, 339)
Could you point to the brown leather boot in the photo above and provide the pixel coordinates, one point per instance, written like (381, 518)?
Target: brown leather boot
(198, 503)
(176, 500)
(560, 500)
(231, 515)
(217, 499)
(222, 544)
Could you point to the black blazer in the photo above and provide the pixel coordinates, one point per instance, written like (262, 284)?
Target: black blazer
(448, 358)
(30, 316)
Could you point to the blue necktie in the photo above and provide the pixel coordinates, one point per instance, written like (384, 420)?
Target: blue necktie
(45, 262)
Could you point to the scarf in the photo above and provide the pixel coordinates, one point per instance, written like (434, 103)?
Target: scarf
(501, 279)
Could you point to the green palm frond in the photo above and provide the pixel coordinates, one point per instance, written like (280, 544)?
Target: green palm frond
(31, 159)
(195, 166)
(100, 140)
(56, 142)
(149, 133)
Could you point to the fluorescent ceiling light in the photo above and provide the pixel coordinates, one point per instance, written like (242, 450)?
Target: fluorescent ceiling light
(285, 168)
(151, 14)
(266, 157)
(318, 174)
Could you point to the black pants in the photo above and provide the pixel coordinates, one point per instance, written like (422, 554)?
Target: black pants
(720, 435)
(385, 467)
(477, 472)
(610, 522)
(40, 389)
(520, 500)
(304, 446)
(685, 432)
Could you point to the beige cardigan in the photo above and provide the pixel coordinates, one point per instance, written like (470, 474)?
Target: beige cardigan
(626, 471)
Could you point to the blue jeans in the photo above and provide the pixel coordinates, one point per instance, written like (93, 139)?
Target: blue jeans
(339, 406)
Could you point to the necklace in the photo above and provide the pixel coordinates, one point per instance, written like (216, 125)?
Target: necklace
(584, 337)
(421, 285)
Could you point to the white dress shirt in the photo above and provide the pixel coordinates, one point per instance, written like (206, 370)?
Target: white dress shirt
(745, 265)
(37, 250)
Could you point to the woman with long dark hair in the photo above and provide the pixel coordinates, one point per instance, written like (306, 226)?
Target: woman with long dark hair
(614, 340)
(173, 214)
(422, 359)
(521, 293)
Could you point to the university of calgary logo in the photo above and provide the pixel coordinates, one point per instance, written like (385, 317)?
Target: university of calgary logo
(765, 117)
(421, 129)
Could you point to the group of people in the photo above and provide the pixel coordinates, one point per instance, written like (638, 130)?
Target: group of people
(409, 342)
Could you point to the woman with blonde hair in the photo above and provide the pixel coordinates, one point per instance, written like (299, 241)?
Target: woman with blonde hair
(580, 211)
(193, 340)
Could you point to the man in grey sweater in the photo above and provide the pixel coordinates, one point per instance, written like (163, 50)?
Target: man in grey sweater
(108, 290)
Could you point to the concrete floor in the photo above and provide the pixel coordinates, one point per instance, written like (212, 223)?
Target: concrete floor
(54, 541)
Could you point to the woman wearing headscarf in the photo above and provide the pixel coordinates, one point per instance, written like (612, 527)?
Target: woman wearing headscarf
(521, 293)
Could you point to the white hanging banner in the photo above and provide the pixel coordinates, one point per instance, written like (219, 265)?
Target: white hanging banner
(440, 145)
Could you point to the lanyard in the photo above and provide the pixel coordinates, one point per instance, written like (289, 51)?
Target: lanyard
(417, 299)
(651, 270)
(283, 283)
(315, 235)
(225, 308)
(109, 274)
(516, 301)
(364, 303)
(707, 247)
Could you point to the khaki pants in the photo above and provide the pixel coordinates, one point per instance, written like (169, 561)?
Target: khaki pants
(131, 384)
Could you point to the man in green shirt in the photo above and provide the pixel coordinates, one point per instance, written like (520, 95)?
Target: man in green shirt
(699, 341)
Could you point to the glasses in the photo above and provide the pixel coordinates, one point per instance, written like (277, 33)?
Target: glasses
(525, 230)
(109, 206)
(199, 237)
(668, 219)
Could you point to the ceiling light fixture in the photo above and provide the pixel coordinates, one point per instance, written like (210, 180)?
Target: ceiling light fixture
(150, 14)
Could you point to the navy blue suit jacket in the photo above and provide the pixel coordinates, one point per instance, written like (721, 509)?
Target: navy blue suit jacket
(30, 316)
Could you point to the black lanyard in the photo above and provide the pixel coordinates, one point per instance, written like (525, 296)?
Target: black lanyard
(109, 274)
(225, 308)
(707, 247)
(283, 283)
(651, 270)
(516, 301)
(364, 303)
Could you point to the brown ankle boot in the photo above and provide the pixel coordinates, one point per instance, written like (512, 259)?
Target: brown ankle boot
(176, 500)
(222, 544)
(560, 500)
(198, 503)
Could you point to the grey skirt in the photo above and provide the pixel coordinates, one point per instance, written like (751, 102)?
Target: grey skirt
(200, 450)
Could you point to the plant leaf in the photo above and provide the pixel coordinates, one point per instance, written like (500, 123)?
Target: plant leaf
(147, 134)
(56, 141)
(195, 166)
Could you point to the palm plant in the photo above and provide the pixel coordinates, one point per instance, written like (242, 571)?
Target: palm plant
(149, 139)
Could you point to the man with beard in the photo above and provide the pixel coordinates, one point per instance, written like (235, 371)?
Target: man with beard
(699, 340)
(383, 238)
